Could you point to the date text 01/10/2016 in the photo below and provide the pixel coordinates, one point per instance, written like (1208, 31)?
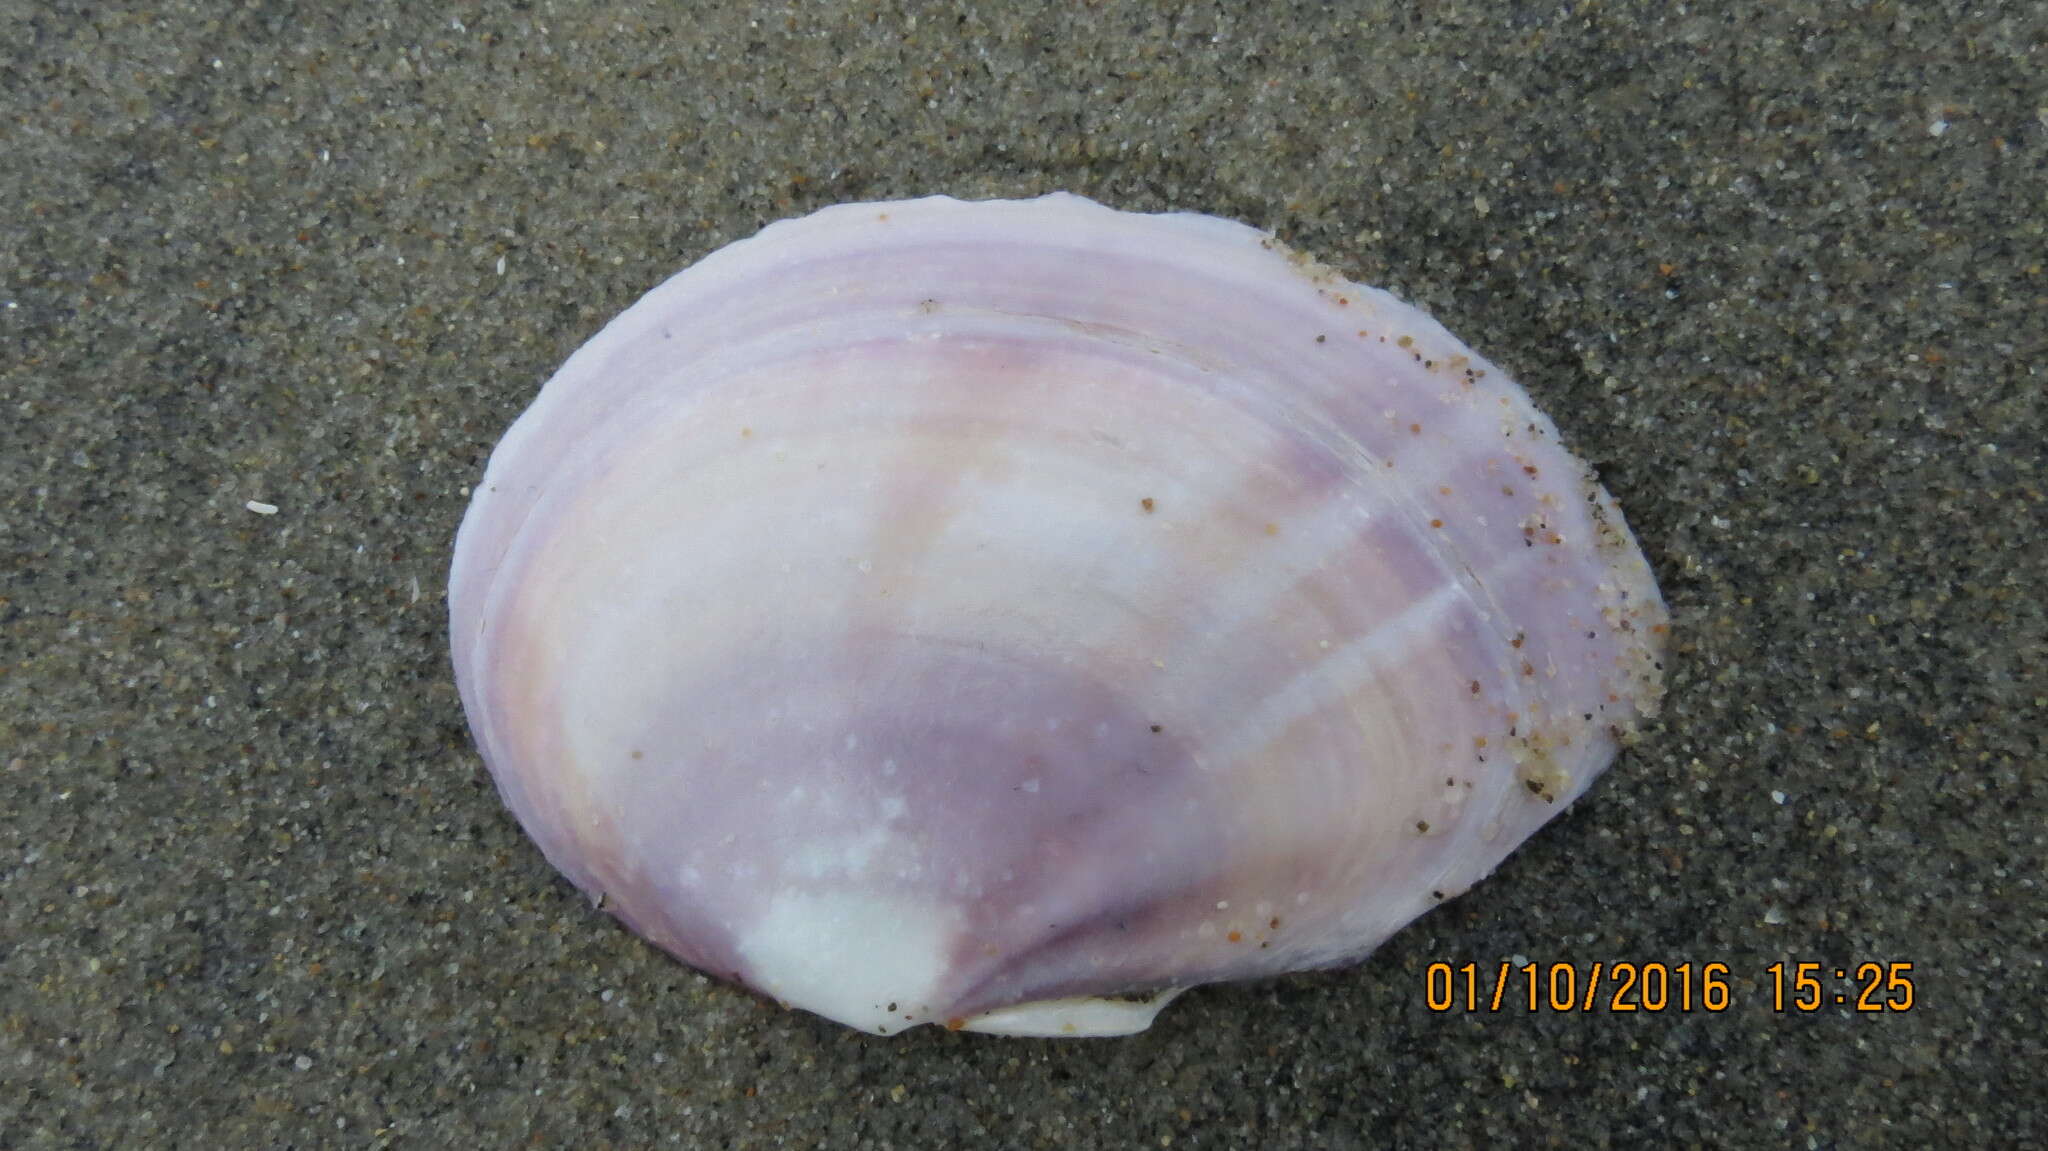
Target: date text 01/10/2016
(1625, 987)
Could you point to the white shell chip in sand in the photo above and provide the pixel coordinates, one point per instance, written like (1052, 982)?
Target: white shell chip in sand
(1004, 615)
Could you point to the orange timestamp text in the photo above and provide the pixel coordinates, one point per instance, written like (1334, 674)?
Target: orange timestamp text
(1626, 987)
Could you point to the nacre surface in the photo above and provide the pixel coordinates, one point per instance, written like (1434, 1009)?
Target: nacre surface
(1006, 614)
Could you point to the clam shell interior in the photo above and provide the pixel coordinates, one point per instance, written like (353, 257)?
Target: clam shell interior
(1005, 614)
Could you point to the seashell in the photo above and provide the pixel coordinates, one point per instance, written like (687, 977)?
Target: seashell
(1005, 615)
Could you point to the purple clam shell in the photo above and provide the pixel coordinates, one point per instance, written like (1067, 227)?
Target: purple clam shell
(1005, 614)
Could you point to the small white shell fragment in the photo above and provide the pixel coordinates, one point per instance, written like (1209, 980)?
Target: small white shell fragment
(1004, 615)
(261, 508)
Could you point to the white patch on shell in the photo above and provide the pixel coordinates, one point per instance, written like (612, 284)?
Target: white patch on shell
(866, 960)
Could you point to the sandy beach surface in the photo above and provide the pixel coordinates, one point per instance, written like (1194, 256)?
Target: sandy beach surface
(274, 278)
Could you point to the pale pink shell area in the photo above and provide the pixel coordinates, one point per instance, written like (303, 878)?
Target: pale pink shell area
(960, 612)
